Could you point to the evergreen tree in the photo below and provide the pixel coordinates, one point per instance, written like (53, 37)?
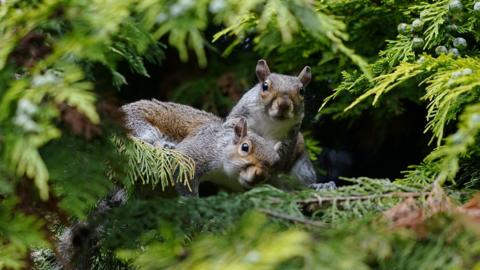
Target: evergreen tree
(63, 64)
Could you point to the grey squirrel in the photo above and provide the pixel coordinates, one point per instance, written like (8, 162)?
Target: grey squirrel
(229, 148)
(274, 108)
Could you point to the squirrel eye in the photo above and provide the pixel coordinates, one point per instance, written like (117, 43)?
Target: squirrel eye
(301, 91)
(245, 147)
(264, 86)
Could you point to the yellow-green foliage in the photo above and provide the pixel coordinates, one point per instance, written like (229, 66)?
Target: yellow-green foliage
(155, 165)
(446, 82)
(64, 54)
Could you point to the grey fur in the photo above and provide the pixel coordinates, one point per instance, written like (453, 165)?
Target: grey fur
(212, 148)
(140, 128)
(303, 169)
(255, 111)
(135, 120)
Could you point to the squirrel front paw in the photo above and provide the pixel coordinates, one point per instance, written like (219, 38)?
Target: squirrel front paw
(323, 186)
(166, 145)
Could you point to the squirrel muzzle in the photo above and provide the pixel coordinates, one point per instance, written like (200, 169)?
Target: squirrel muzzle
(281, 108)
(253, 175)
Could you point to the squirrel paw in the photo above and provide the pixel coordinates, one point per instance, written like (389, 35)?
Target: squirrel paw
(323, 186)
(166, 145)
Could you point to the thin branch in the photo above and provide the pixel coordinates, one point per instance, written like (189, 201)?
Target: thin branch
(327, 201)
(292, 218)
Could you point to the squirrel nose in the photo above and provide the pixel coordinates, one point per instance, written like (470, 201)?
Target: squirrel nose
(259, 175)
(284, 104)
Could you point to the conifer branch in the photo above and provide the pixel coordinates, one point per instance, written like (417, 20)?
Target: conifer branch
(327, 201)
(292, 219)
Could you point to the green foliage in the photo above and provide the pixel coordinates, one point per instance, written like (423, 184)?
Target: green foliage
(215, 89)
(313, 146)
(251, 244)
(18, 232)
(89, 182)
(155, 165)
(457, 144)
(447, 81)
(58, 57)
(285, 21)
(202, 234)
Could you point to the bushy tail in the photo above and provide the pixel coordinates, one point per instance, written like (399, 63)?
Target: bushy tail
(79, 243)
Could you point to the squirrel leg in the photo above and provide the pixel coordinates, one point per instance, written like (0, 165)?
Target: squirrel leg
(165, 143)
(153, 136)
(148, 134)
(303, 169)
(183, 190)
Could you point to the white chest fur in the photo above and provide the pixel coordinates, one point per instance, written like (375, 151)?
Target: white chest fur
(270, 128)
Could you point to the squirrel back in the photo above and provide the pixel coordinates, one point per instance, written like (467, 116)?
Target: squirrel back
(163, 123)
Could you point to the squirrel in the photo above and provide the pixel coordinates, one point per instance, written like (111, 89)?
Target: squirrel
(229, 147)
(274, 108)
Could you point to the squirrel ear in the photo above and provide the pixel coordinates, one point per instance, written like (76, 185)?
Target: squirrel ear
(305, 76)
(240, 129)
(262, 70)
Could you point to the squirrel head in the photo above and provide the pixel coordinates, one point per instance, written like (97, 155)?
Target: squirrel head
(250, 155)
(282, 95)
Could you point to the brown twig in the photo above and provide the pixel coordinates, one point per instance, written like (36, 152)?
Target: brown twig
(364, 197)
(318, 202)
(292, 218)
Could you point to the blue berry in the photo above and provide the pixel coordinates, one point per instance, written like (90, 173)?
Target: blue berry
(476, 7)
(451, 83)
(458, 137)
(455, 52)
(455, 6)
(474, 119)
(452, 27)
(441, 50)
(402, 28)
(417, 42)
(456, 74)
(423, 14)
(417, 25)
(467, 71)
(460, 43)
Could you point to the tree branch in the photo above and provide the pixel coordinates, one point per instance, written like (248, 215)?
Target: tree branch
(292, 218)
(318, 201)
